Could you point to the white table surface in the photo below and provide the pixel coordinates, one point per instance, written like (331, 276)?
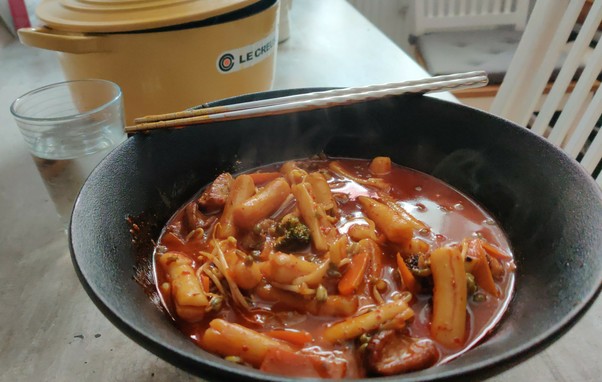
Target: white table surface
(49, 328)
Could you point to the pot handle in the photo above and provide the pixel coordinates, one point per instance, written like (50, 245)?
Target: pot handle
(46, 38)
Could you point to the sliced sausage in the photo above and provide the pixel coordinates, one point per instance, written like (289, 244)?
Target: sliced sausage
(195, 218)
(214, 197)
(391, 352)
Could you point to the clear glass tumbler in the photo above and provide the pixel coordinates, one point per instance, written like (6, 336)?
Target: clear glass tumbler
(68, 128)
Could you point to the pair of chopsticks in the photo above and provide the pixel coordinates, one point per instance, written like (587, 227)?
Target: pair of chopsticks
(308, 101)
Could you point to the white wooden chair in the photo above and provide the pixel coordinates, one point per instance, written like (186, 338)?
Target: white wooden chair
(575, 128)
(454, 36)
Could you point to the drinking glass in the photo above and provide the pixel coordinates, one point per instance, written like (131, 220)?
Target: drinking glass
(69, 127)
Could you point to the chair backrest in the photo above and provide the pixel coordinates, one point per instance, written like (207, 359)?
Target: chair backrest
(567, 118)
(439, 15)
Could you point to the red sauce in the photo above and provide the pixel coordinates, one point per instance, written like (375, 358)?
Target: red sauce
(451, 216)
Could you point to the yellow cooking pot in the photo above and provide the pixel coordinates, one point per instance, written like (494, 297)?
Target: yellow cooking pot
(166, 55)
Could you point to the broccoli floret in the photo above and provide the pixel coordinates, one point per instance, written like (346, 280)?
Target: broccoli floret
(418, 265)
(292, 234)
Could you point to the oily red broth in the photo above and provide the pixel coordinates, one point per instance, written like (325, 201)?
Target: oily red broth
(452, 220)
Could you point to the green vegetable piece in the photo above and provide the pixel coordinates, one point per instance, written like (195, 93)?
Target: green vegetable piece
(293, 235)
(479, 297)
(321, 294)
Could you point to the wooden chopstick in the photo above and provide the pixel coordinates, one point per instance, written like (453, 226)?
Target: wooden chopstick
(308, 101)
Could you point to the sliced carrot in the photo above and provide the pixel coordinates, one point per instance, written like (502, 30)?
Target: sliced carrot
(481, 271)
(263, 177)
(352, 279)
(409, 281)
(494, 251)
(297, 337)
(205, 282)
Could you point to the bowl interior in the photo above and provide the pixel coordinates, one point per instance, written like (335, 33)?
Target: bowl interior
(550, 209)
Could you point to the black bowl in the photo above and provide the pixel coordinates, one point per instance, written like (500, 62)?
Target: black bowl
(549, 207)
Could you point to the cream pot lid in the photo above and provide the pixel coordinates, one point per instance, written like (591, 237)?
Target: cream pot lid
(105, 16)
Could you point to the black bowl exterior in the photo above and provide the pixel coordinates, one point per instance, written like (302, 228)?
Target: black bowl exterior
(549, 207)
